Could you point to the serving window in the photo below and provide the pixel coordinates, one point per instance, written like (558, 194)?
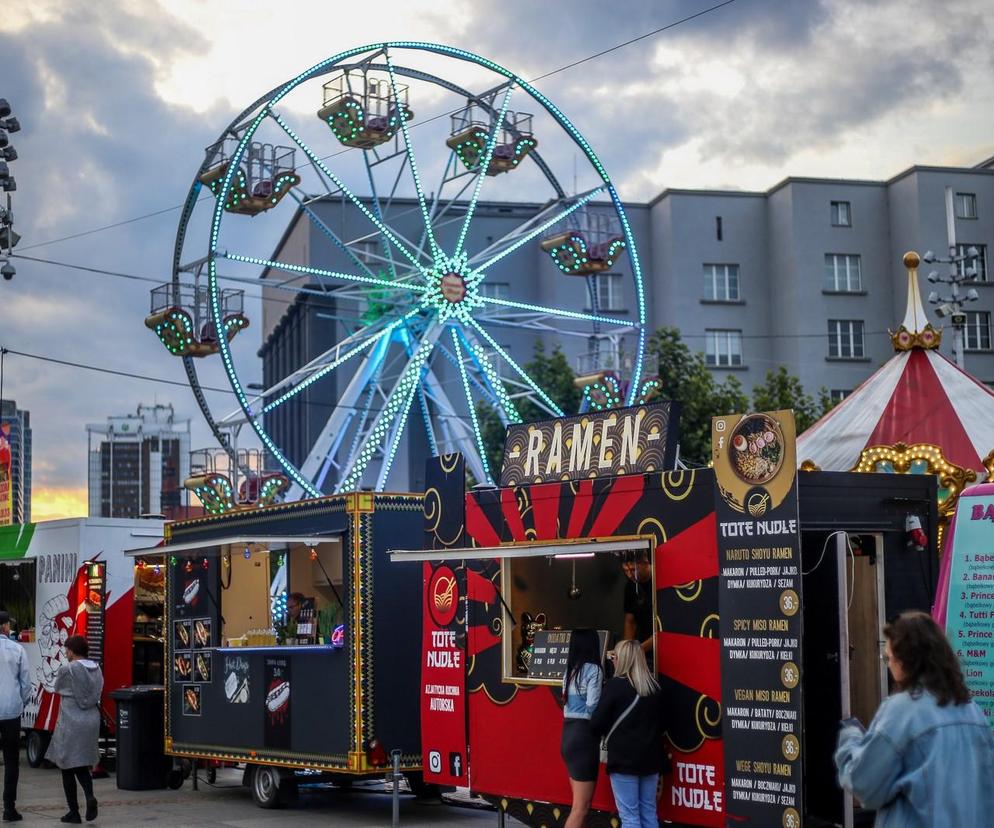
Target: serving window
(559, 591)
(18, 594)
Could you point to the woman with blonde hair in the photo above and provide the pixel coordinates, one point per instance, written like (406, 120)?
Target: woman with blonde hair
(630, 716)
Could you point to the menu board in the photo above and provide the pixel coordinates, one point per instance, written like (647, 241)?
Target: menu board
(551, 651)
(759, 602)
(969, 620)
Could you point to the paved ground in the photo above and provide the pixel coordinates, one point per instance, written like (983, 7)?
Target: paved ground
(227, 803)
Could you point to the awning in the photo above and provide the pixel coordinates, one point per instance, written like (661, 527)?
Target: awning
(233, 540)
(521, 550)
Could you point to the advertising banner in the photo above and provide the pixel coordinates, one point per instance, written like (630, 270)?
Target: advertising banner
(971, 594)
(759, 590)
(277, 684)
(443, 676)
(6, 477)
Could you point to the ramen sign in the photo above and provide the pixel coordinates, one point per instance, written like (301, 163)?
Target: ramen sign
(598, 444)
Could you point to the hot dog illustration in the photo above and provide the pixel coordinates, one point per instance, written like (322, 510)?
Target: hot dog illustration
(190, 592)
(202, 633)
(278, 696)
(183, 666)
(192, 699)
(203, 668)
(183, 634)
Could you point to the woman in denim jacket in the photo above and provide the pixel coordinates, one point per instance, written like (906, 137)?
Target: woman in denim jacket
(928, 757)
(580, 749)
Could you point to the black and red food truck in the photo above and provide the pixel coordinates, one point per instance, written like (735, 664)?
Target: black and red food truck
(770, 588)
(290, 641)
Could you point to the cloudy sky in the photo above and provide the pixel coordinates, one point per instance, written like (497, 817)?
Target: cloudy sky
(118, 99)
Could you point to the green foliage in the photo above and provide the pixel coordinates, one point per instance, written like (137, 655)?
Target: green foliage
(782, 390)
(553, 374)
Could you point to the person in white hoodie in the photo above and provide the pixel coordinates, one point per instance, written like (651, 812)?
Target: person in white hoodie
(74, 742)
(15, 691)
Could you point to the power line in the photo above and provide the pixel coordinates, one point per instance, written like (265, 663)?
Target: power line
(441, 115)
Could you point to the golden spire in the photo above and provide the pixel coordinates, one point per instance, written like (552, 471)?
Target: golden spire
(916, 331)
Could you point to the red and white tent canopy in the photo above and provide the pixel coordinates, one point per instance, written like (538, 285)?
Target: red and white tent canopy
(918, 396)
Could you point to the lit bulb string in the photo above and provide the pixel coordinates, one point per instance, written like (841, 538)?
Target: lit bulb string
(398, 403)
(331, 366)
(633, 386)
(422, 122)
(401, 115)
(545, 310)
(538, 230)
(405, 336)
(491, 378)
(480, 447)
(372, 385)
(481, 174)
(325, 274)
(521, 371)
(379, 225)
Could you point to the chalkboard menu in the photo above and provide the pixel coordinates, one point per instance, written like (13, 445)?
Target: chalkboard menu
(969, 622)
(551, 650)
(759, 595)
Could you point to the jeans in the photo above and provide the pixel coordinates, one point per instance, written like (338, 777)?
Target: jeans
(10, 738)
(635, 797)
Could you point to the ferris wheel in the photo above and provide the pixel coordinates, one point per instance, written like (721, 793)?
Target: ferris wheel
(423, 328)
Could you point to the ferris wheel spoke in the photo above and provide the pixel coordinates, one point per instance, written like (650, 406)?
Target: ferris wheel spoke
(548, 310)
(411, 161)
(379, 225)
(378, 211)
(397, 408)
(518, 239)
(491, 378)
(337, 362)
(477, 434)
(316, 220)
(545, 401)
(482, 172)
(324, 274)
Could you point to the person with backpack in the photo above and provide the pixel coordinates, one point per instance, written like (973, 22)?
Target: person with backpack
(579, 747)
(630, 718)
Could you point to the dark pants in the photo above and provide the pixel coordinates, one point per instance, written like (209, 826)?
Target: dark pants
(69, 777)
(10, 739)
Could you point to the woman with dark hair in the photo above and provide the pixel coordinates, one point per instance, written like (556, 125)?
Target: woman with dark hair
(74, 742)
(928, 757)
(580, 748)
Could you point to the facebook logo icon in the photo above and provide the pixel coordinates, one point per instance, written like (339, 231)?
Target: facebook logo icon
(455, 764)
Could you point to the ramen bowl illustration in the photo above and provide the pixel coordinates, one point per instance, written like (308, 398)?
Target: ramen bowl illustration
(756, 449)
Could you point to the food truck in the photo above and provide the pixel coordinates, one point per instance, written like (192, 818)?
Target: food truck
(292, 642)
(71, 577)
(769, 592)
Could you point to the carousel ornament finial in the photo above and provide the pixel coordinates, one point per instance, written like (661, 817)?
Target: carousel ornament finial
(915, 331)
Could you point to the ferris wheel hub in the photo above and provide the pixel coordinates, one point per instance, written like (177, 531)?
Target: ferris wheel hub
(453, 287)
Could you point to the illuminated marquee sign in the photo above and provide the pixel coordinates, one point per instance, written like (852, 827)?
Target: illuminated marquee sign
(602, 444)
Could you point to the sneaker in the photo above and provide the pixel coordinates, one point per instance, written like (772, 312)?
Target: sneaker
(91, 810)
(73, 817)
(12, 816)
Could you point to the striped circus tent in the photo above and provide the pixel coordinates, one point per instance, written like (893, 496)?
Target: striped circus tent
(917, 397)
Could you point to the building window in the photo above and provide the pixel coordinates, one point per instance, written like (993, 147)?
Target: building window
(845, 339)
(978, 331)
(494, 290)
(837, 395)
(610, 295)
(841, 214)
(980, 262)
(842, 273)
(717, 227)
(721, 282)
(723, 348)
(966, 205)
(368, 251)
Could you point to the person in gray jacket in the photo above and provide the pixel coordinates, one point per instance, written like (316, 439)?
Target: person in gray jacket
(74, 742)
(927, 759)
(15, 692)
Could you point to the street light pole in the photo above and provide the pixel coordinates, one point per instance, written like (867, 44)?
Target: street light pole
(951, 305)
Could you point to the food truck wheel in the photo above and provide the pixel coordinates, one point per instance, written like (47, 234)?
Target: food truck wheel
(174, 780)
(37, 744)
(272, 787)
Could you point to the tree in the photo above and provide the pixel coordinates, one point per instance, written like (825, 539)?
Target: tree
(686, 378)
(553, 374)
(781, 390)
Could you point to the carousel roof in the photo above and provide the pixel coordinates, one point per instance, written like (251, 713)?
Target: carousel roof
(918, 396)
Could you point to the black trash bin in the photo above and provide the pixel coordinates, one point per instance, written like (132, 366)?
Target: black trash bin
(142, 764)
